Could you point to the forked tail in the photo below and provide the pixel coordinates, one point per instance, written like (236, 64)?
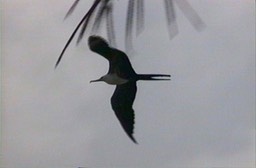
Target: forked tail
(153, 77)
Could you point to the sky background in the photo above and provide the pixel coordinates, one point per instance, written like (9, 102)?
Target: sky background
(203, 117)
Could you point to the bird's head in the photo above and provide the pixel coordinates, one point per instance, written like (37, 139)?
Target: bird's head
(98, 44)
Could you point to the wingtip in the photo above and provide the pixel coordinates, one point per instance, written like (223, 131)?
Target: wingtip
(133, 139)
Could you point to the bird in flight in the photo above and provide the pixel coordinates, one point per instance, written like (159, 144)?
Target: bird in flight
(121, 74)
(134, 19)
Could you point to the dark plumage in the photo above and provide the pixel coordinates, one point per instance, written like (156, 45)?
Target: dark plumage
(122, 75)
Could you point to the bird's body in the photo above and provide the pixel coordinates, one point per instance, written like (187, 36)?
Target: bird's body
(114, 79)
(121, 74)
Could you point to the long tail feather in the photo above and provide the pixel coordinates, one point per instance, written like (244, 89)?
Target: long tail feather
(153, 77)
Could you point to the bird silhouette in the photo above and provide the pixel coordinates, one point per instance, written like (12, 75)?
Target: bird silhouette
(121, 74)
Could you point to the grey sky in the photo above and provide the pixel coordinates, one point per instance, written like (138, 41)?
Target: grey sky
(203, 117)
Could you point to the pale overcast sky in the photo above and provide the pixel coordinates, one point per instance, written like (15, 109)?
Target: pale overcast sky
(203, 117)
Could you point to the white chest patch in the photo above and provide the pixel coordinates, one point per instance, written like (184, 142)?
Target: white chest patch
(113, 79)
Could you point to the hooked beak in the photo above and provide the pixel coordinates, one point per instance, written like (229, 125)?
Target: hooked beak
(97, 80)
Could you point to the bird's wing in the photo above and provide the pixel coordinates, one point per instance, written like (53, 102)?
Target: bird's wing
(122, 101)
(120, 64)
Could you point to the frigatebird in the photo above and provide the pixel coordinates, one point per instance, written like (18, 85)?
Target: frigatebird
(121, 74)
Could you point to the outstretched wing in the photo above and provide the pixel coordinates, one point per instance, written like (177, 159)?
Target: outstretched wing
(122, 101)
